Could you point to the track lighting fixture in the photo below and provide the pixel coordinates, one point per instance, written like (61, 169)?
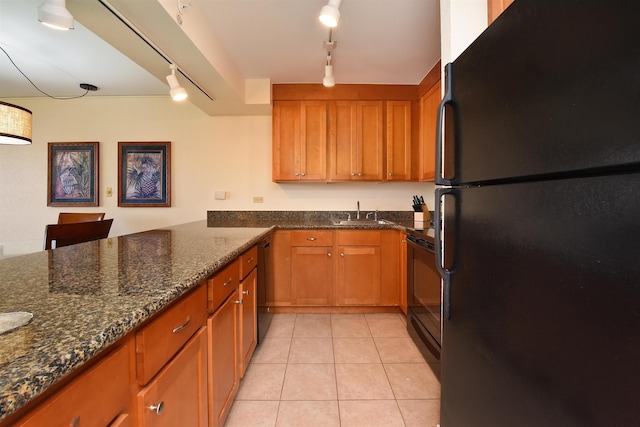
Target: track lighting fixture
(330, 14)
(177, 92)
(328, 80)
(54, 14)
(15, 124)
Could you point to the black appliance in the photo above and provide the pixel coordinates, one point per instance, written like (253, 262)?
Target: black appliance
(538, 207)
(264, 312)
(424, 295)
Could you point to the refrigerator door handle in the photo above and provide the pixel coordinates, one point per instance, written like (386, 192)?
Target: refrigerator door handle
(447, 99)
(445, 272)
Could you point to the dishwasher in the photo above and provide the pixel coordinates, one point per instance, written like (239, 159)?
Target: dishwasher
(264, 312)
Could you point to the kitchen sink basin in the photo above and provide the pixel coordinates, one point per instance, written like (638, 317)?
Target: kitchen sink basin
(362, 222)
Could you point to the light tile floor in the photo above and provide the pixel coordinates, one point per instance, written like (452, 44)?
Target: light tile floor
(342, 370)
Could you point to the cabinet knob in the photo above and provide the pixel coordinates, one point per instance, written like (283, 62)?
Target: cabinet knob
(353, 174)
(342, 254)
(311, 239)
(329, 254)
(238, 301)
(297, 174)
(303, 174)
(157, 408)
(359, 173)
(390, 173)
(250, 260)
(245, 292)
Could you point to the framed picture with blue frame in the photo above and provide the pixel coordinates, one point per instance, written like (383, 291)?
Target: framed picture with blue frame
(72, 174)
(144, 174)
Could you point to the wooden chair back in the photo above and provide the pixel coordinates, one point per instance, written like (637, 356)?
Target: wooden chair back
(71, 217)
(70, 234)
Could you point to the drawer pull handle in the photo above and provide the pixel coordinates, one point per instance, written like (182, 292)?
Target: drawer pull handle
(75, 422)
(157, 408)
(311, 239)
(228, 282)
(184, 325)
(250, 260)
(245, 292)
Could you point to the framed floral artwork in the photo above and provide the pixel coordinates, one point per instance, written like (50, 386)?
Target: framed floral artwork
(144, 172)
(72, 174)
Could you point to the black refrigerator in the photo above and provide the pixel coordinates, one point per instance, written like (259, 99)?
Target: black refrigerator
(538, 219)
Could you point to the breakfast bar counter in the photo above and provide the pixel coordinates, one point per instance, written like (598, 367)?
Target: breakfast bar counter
(87, 296)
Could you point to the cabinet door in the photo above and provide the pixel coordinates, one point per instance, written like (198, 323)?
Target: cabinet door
(392, 268)
(403, 272)
(342, 141)
(311, 275)
(313, 150)
(358, 275)
(398, 140)
(286, 141)
(428, 112)
(495, 8)
(248, 319)
(222, 329)
(178, 394)
(370, 141)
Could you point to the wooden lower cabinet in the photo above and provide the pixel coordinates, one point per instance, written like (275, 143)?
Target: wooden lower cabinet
(248, 319)
(335, 268)
(312, 267)
(96, 397)
(178, 394)
(358, 259)
(224, 378)
(312, 275)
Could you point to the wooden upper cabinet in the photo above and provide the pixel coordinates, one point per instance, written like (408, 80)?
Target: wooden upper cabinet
(495, 8)
(356, 140)
(398, 140)
(427, 149)
(299, 141)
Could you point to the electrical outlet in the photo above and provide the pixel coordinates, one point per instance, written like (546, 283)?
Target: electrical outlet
(258, 199)
(109, 191)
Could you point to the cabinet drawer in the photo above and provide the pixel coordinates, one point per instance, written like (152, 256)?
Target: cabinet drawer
(358, 237)
(157, 342)
(222, 285)
(177, 396)
(312, 238)
(248, 261)
(95, 398)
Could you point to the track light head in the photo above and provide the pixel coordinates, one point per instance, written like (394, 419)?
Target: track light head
(328, 80)
(54, 14)
(177, 92)
(330, 13)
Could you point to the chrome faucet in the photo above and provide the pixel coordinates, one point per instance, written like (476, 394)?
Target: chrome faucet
(358, 212)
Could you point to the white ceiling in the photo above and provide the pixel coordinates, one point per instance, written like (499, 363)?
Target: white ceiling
(219, 44)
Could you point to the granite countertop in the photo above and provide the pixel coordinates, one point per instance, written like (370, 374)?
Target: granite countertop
(85, 297)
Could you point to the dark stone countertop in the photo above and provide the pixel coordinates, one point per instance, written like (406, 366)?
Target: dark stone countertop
(85, 297)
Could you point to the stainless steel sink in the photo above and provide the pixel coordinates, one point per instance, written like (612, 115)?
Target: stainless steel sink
(362, 222)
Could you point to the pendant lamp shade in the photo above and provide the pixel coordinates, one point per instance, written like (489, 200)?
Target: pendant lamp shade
(54, 14)
(15, 124)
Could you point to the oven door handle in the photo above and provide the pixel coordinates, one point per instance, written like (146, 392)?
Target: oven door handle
(445, 271)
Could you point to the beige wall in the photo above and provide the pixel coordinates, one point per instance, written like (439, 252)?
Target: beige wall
(231, 154)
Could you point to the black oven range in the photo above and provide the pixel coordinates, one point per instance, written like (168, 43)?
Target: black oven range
(424, 295)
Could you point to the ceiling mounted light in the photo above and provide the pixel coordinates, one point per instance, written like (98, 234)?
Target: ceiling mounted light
(330, 14)
(177, 92)
(328, 80)
(15, 124)
(54, 14)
